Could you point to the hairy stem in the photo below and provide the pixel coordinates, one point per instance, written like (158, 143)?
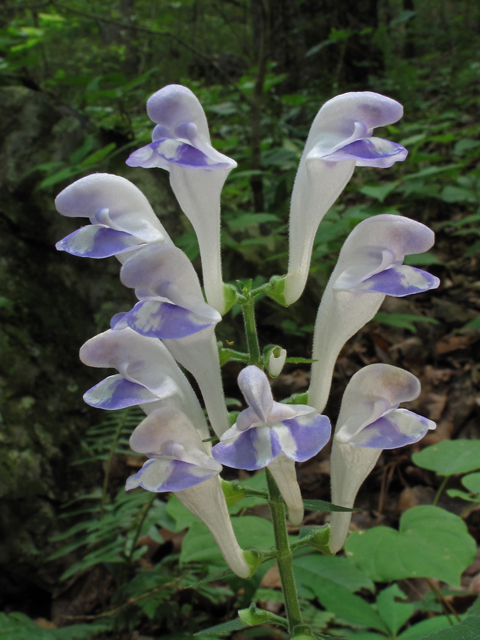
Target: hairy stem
(251, 333)
(284, 554)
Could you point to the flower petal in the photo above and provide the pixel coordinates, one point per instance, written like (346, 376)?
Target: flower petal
(399, 281)
(397, 429)
(117, 393)
(165, 271)
(251, 450)
(158, 475)
(303, 437)
(370, 152)
(164, 320)
(371, 393)
(255, 387)
(147, 362)
(97, 242)
(177, 152)
(126, 207)
(163, 426)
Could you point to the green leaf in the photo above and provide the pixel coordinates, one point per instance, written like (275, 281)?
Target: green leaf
(378, 191)
(224, 629)
(473, 324)
(449, 457)
(402, 320)
(472, 482)
(332, 583)
(313, 568)
(247, 219)
(456, 194)
(423, 629)
(431, 543)
(99, 155)
(395, 614)
(321, 505)
(421, 259)
(182, 517)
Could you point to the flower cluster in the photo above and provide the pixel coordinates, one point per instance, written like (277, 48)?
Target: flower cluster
(172, 324)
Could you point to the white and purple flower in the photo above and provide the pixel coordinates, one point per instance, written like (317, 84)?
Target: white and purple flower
(369, 267)
(267, 428)
(122, 220)
(171, 302)
(181, 145)
(180, 462)
(148, 376)
(370, 420)
(339, 140)
(272, 434)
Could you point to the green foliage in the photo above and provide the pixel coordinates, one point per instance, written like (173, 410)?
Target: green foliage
(430, 542)
(18, 626)
(402, 320)
(450, 457)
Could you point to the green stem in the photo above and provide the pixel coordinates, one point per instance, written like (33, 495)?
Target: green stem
(284, 554)
(440, 490)
(138, 530)
(251, 332)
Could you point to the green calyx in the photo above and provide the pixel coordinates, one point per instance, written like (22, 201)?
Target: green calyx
(230, 294)
(233, 492)
(276, 289)
(254, 616)
(321, 538)
(254, 559)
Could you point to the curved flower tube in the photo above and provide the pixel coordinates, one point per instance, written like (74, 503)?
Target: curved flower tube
(171, 307)
(121, 217)
(369, 267)
(369, 422)
(340, 139)
(171, 301)
(181, 145)
(198, 353)
(179, 462)
(148, 376)
(267, 429)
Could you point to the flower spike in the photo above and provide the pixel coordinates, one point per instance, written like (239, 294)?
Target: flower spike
(369, 267)
(148, 376)
(340, 139)
(180, 462)
(181, 145)
(122, 220)
(369, 422)
(268, 429)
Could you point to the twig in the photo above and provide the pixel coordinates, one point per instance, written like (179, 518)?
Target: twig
(443, 601)
(128, 603)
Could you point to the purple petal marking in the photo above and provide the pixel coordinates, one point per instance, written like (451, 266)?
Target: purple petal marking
(397, 429)
(158, 475)
(256, 389)
(116, 321)
(370, 152)
(174, 151)
(117, 393)
(164, 320)
(399, 281)
(251, 450)
(94, 241)
(303, 437)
